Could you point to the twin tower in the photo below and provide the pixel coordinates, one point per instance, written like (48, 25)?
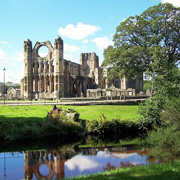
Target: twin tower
(53, 77)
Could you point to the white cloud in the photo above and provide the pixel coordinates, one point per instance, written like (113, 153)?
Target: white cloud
(12, 64)
(72, 57)
(68, 56)
(3, 55)
(103, 154)
(123, 155)
(43, 51)
(103, 42)
(70, 48)
(78, 32)
(42, 54)
(18, 56)
(85, 41)
(173, 2)
(15, 78)
(5, 43)
(81, 162)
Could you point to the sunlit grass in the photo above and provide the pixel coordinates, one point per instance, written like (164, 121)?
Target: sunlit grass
(86, 112)
(170, 171)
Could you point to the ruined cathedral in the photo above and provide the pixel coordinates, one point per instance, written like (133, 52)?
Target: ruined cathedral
(53, 77)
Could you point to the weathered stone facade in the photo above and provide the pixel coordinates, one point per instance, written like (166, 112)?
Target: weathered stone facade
(53, 77)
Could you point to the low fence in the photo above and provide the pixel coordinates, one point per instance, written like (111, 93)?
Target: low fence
(21, 102)
(128, 100)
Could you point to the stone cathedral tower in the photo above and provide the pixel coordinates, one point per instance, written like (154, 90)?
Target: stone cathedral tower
(27, 88)
(43, 76)
(53, 77)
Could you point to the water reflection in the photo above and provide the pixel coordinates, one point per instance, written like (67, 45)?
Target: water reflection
(54, 161)
(57, 164)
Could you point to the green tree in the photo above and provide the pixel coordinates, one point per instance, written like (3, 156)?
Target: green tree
(148, 43)
(166, 140)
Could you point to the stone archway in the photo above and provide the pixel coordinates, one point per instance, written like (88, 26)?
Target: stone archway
(77, 88)
(50, 175)
(90, 83)
(42, 51)
(47, 44)
(47, 84)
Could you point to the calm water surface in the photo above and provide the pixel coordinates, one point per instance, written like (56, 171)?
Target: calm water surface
(58, 163)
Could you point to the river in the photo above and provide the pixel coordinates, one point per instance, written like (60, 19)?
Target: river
(68, 161)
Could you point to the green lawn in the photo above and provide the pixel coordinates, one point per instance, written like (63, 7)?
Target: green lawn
(86, 112)
(169, 171)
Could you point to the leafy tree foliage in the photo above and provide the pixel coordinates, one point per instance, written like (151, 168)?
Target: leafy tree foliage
(166, 140)
(147, 43)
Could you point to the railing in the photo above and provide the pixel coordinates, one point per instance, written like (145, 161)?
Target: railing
(25, 102)
(75, 101)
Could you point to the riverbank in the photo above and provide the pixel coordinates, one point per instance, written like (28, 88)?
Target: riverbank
(167, 171)
(31, 122)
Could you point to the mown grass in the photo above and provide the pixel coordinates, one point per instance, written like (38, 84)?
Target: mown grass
(30, 122)
(86, 112)
(170, 171)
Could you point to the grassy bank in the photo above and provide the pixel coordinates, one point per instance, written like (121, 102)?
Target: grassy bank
(30, 122)
(170, 171)
(86, 112)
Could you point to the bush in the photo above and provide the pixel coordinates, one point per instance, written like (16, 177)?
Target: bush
(20, 129)
(60, 125)
(114, 127)
(165, 143)
(166, 140)
(150, 111)
(57, 126)
(171, 113)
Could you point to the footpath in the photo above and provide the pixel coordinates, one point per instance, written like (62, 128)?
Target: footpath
(77, 103)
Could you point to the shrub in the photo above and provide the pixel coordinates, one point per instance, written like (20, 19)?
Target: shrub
(171, 113)
(114, 127)
(166, 140)
(25, 132)
(20, 129)
(166, 144)
(57, 126)
(150, 111)
(60, 125)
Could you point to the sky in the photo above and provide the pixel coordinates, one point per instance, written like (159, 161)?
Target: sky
(84, 26)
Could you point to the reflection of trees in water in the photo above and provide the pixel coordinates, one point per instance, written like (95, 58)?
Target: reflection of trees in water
(109, 167)
(55, 160)
(149, 157)
(140, 152)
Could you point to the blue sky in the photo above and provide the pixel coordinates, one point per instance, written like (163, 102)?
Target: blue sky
(84, 26)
